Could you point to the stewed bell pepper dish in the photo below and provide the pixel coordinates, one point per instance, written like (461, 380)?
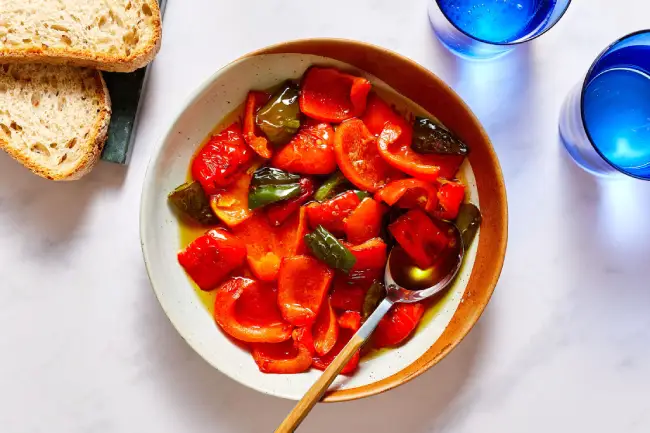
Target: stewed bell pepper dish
(301, 199)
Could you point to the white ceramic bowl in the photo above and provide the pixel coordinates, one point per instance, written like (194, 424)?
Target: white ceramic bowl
(160, 243)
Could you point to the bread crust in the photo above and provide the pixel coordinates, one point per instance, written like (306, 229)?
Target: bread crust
(85, 58)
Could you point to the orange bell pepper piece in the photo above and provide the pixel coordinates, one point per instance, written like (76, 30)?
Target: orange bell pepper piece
(400, 322)
(266, 245)
(409, 193)
(209, 258)
(230, 204)
(303, 282)
(283, 358)
(364, 222)
(332, 96)
(247, 310)
(310, 151)
(290, 236)
(252, 135)
(266, 267)
(259, 238)
(428, 167)
(359, 159)
(325, 330)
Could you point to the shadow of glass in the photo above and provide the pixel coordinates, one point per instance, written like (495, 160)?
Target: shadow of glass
(500, 92)
(612, 225)
(607, 222)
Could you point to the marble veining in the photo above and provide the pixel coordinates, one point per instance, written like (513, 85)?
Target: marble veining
(563, 346)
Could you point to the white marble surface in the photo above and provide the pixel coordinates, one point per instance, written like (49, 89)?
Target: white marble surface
(563, 346)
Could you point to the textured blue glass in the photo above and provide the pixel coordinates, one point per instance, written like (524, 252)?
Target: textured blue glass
(481, 29)
(605, 122)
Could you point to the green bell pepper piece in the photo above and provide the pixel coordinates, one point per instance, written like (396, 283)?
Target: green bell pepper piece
(468, 222)
(430, 137)
(262, 195)
(375, 294)
(331, 187)
(279, 119)
(273, 176)
(362, 194)
(190, 200)
(329, 250)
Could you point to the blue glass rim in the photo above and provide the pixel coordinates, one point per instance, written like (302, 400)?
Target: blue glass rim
(504, 44)
(582, 102)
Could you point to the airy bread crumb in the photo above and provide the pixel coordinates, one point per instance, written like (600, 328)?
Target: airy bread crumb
(53, 119)
(111, 35)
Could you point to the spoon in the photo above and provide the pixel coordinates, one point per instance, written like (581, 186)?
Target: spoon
(400, 273)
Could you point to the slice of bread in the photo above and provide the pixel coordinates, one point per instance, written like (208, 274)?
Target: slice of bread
(111, 35)
(53, 118)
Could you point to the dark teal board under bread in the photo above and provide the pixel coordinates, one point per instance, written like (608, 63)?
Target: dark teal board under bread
(125, 91)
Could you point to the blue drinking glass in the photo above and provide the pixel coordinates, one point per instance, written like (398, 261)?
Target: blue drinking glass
(485, 29)
(605, 120)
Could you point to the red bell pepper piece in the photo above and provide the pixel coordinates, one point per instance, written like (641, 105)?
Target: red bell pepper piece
(325, 330)
(254, 138)
(371, 261)
(305, 337)
(364, 222)
(303, 282)
(332, 96)
(230, 204)
(267, 245)
(331, 213)
(379, 113)
(451, 196)
(211, 257)
(428, 167)
(310, 151)
(348, 295)
(247, 310)
(322, 362)
(422, 239)
(223, 157)
(277, 213)
(282, 358)
(409, 193)
(400, 321)
(350, 320)
(359, 159)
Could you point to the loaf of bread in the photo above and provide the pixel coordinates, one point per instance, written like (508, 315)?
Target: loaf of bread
(53, 118)
(110, 35)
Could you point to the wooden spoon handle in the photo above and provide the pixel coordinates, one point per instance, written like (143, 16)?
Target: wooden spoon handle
(315, 393)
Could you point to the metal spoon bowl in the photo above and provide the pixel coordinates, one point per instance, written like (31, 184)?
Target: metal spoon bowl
(398, 270)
